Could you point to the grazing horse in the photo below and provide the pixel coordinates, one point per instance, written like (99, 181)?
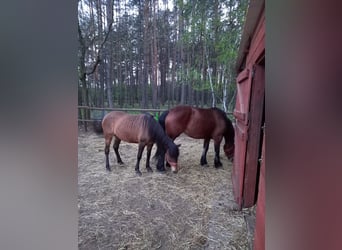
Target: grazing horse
(200, 123)
(142, 129)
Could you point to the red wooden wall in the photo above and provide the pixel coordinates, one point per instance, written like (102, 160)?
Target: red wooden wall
(248, 112)
(259, 234)
(248, 173)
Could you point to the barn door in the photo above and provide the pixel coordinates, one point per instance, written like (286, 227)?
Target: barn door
(259, 233)
(248, 112)
(241, 110)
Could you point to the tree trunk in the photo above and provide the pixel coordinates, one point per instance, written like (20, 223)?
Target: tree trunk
(224, 94)
(213, 101)
(181, 45)
(109, 58)
(154, 58)
(146, 54)
(82, 75)
(216, 22)
(173, 76)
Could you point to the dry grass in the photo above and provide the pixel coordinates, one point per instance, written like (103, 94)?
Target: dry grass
(193, 209)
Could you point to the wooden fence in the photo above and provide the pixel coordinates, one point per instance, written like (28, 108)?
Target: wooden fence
(157, 111)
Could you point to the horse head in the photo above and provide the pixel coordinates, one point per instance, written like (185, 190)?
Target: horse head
(229, 151)
(171, 156)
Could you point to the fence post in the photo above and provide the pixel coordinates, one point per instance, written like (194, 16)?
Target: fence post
(84, 118)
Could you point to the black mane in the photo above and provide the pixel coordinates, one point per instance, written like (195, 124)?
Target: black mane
(162, 118)
(163, 141)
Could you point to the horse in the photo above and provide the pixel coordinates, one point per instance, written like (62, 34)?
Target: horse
(200, 123)
(142, 129)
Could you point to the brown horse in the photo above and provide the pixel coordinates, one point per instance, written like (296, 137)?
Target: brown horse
(201, 123)
(142, 129)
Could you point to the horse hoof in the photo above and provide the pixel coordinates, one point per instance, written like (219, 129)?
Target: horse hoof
(162, 170)
(138, 172)
(120, 162)
(204, 162)
(217, 164)
(108, 169)
(149, 170)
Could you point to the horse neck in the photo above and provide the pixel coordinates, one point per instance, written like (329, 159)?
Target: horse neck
(164, 141)
(229, 136)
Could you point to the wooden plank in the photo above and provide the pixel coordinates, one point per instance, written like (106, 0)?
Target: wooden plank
(243, 76)
(254, 133)
(257, 46)
(239, 115)
(259, 234)
(131, 109)
(241, 131)
(253, 15)
(238, 169)
(122, 109)
(243, 95)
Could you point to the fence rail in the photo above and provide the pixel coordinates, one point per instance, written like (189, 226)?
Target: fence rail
(123, 109)
(116, 109)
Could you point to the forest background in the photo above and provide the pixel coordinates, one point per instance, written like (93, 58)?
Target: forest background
(158, 54)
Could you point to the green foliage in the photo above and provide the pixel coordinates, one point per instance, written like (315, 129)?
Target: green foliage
(208, 32)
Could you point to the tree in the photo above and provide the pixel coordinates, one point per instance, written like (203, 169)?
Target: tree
(146, 62)
(134, 52)
(84, 44)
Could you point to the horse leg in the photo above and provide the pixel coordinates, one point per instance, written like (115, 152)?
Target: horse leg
(160, 163)
(149, 149)
(204, 153)
(108, 140)
(217, 161)
(140, 151)
(116, 149)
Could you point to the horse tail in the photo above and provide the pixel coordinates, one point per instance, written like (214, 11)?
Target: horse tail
(97, 126)
(161, 121)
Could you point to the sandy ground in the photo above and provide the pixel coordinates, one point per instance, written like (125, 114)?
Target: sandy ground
(193, 209)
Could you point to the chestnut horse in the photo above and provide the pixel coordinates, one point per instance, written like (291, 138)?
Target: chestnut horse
(200, 123)
(142, 129)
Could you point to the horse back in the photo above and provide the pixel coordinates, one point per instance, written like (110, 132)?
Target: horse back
(129, 128)
(110, 120)
(177, 120)
(203, 124)
(197, 123)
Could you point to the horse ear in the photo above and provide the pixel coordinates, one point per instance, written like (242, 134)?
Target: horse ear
(178, 145)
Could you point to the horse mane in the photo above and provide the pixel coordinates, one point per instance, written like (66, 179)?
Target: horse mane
(162, 118)
(161, 121)
(229, 126)
(159, 136)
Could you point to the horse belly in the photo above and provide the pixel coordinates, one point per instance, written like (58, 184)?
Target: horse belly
(197, 134)
(126, 135)
(199, 130)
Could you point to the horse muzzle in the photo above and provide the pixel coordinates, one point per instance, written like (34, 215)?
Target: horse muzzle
(174, 167)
